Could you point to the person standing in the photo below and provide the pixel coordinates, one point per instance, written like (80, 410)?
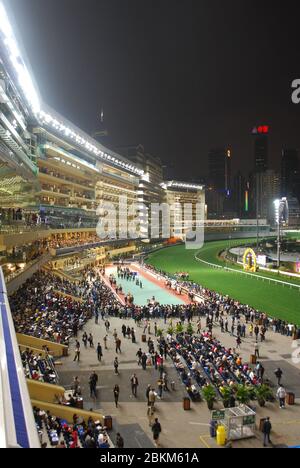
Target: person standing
(93, 384)
(144, 361)
(116, 392)
(256, 349)
(278, 373)
(262, 373)
(99, 352)
(77, 352)
(160, 385)
(165, 382)
(116, 366)
(152, 398)
(91, 340)
(85, 339)
(281, 395)
(118, 345)
(76, 386)
(147, 394)
(105, 339)
(139, 355)
(156, 430)
(119, 441)
(267, 429)
(107, 326)
(134, 385)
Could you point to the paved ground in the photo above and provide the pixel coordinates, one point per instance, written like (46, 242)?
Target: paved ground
(180, 428)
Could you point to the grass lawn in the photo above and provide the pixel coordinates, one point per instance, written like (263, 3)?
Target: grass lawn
(293, 235)
(278, 301)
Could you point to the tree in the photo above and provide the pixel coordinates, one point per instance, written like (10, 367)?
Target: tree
(209, 395)
(226, 396)
(179, 328)
(243, 394)
(190, 329)
(263, 393)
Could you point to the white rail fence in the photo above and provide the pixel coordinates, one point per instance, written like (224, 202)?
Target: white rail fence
(251, 275)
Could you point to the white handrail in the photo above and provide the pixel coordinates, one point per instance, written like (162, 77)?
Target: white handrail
(214, 265)
(17, 424)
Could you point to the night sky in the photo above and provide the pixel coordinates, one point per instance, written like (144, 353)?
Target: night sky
(180, 77)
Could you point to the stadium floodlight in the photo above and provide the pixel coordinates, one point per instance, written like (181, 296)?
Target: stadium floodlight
(179, 185)
(277, 221)
(45, 117)
(277, 210)
(5, 25)
(13, 51)
(280, 206)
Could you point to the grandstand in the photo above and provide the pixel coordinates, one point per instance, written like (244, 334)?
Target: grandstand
(54, 180)
(58, 278)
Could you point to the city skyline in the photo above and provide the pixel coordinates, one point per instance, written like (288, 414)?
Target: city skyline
(154, 85)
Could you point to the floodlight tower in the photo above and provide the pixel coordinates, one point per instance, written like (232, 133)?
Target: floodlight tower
(281, 215)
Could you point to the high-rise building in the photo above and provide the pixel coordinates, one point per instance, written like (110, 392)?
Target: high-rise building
(220, 169)
(261, 148)
(240, 199)
(267, 190)
(219, 191)
(183, 199)
(150, 190)
(290, 173)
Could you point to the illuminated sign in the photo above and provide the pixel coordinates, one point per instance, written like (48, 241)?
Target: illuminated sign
(246, 201)
(250, 260)
(261, 130)
(24, 78)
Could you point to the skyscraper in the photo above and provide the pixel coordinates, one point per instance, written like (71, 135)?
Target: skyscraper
(261, 148)
(241, 199)
(268, 189)
(290, 173)
(219, 180)
(220, 169)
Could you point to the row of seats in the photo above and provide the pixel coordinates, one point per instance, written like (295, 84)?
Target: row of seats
(37, 367)
(61, 434)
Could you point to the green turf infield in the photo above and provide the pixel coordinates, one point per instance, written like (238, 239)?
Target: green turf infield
(272, 298)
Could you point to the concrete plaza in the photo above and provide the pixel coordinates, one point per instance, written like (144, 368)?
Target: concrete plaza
(180, 429)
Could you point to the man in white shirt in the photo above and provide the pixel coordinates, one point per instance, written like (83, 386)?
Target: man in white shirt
(281, 395)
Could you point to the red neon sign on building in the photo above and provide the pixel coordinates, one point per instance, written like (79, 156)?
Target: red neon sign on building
(262, 129)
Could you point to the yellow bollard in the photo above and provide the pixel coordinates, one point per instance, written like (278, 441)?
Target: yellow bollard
(221, 436)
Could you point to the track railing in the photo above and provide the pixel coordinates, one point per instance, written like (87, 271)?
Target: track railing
(245, 273)
(17, 425)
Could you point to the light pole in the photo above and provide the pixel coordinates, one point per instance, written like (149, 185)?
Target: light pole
(278, 245)
(257, 210)
(281, 216)
(277, 204)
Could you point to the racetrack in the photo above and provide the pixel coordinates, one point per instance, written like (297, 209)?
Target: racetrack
(274, 299)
